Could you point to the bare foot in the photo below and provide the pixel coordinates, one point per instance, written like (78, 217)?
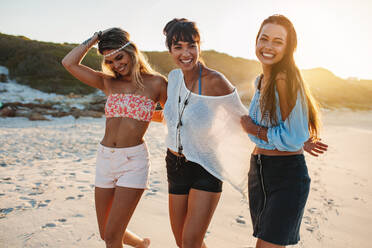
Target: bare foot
(144, 244)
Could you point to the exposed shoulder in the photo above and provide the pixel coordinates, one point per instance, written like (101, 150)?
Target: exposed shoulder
(281, 80)
(160, 81)
(155, 83)
(157, 87)
(218, 84)
(108, 81)
(156, 79)
(284, 102)
(281, 86)
(106, 77)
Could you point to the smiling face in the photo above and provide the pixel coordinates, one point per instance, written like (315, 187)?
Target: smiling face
(185, 54)
(120, 62)
(271, 44)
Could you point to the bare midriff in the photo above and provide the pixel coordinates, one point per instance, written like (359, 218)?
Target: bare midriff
(124, 132)
(262, 151)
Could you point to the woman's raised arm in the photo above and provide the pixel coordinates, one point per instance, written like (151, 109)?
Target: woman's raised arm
(72, 63)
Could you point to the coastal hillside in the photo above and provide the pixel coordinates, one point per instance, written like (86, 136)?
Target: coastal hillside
(334, 92)
(38, 65)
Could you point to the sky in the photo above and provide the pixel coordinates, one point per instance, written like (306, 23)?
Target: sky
(333, 34)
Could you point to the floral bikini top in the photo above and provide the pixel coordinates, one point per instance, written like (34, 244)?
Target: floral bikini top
(129, 105)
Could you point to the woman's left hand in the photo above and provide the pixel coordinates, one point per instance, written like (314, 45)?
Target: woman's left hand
(247, 124)
(315, 147)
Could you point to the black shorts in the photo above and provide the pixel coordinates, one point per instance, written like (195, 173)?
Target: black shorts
(184, 175)
(278, 189)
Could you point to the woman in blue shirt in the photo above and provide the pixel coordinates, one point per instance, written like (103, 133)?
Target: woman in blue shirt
(282, 117)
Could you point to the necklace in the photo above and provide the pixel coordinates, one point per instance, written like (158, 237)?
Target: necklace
(181, 110)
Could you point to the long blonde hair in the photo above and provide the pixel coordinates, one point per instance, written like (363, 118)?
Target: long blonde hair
(294, 81)
(116, 38)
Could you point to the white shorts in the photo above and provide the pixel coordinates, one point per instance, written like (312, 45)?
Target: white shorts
(124, 167)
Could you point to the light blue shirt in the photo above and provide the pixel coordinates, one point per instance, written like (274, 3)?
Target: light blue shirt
(288, 135)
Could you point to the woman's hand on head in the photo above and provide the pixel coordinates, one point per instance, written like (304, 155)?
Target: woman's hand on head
(315, 147)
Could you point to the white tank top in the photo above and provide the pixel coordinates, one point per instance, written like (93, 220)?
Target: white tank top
(211, 133)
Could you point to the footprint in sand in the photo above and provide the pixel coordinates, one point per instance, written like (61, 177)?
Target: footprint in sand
(150, 193)
(7, 180)
(31, 201)
(240, 220)
(83, 189)
(91, 236)
(313, 211)
(307, 220)
(78, 215)
(329, 203)
(154, 190)
(36, 193)
(5, 211)
(41, 205)
(49, 225)
(27, 236)
(21, 207)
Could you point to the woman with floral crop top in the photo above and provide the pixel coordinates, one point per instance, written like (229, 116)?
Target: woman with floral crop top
(132, 89)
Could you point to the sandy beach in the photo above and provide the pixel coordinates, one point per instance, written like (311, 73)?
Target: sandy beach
(47, 175)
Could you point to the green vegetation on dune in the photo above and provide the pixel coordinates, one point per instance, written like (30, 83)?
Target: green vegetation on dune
(38, 64)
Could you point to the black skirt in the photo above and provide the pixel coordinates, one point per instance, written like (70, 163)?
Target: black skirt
(278, 190)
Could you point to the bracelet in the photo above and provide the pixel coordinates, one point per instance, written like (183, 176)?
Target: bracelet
(258, 132)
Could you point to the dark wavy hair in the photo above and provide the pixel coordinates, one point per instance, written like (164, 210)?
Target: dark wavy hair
(181, 29)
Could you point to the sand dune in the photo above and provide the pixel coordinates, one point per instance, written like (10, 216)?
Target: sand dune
(47, 175)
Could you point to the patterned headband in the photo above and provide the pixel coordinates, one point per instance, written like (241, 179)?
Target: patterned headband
(117, 50)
